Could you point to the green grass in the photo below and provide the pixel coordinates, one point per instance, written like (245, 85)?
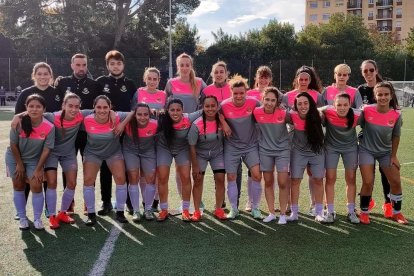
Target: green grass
(242, 247)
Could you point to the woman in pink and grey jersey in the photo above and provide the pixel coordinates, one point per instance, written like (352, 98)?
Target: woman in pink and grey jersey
(274, 150)
(381, 123)
(220, 88)
(206, 146)
(341, 75)
(341, 141)
(103, 144)
(306, 80)
(138, 147)
(307, 151)
(173, 144)
(156, 100)
(242, 143)
(29, 148)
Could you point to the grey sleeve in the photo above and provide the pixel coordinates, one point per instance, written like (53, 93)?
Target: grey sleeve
(134, 100)
(50, 139)
(193, 135)
(49, 116)
(324, 99)
(396, 131)
(357, 100)
(14, 136)
(193, 116)
(168, 89)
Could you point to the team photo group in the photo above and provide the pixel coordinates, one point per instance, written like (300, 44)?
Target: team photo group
(132, 136)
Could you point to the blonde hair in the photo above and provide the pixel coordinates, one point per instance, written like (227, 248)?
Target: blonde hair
(39, 65)
(151, 70)
(217, 64)
(238, 81)
(342, 67)
(262, 71)
(193, 81)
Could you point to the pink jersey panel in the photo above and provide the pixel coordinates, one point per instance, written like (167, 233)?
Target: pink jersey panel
(332, 91)
(40, 132)
(179, 87)
(278, 117)
(231, 111)
(298, 123)
(255, 93)
(211, 126)
(291, 95)
(374, 117)
(334, 119)
(221, 93)
(145, 132)
(67, 124)
(93, 127)
(159, 97)
(185, 123)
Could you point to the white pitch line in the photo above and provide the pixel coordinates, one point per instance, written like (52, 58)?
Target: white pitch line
(106, 252)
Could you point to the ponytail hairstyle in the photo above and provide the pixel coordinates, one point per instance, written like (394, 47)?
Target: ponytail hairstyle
(216, 117)
(26, 120)
(134, 123)
(193, 80)
(68, 96)
(262, 72)
(378, 77)
(107, 100)
(276, 92)
(313, 126)
(387, 84)
(166, 124)
(350, 115)
(315, 81)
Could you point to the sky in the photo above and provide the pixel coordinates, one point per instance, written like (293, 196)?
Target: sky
(239, 16)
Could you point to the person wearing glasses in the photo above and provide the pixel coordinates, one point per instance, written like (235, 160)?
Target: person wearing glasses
(369, 70)
(341, 75)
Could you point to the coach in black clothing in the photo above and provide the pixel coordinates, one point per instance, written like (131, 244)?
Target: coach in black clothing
(120, 91)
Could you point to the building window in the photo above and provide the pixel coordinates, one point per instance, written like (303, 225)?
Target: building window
(313, 4)
(370, 15)
(313, 17)
(326, 4)
(398, 25)
(398, 12)
(326, 16)
(371, 2)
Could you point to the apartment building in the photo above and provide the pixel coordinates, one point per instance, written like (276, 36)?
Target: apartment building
(395, 16)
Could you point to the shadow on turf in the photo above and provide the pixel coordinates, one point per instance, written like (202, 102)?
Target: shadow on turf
(78, 246)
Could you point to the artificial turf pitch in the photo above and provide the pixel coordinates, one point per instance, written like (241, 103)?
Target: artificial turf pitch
(211, 247)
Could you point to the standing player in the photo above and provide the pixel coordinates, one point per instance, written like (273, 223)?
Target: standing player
(206, 145)
(29, 147)
(369, 70)
(381, 123)
(307, 151)
(243, 143)
(341, 141)
(274, 150)
(120, 90)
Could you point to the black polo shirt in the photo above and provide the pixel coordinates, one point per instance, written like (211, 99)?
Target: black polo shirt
(52, 96)
(87, 89)
(367, 94)
(120, 91)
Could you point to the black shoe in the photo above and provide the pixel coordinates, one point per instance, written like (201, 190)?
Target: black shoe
(106, 209)
(223, 205)
(91, 220)
(154, 206)
(120, 217)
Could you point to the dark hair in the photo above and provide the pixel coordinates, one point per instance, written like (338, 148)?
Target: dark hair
(313, 126)
(134, 124)
(387, 84)
(275, 91)
(114, 54)
(315, 81)
(26, 121)
(166, 125)
(204, 116)
(106, 99)
(350, 115)
(68, 96)
(378, 77)
(78, 55)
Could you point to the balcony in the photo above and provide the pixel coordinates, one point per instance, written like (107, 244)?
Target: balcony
(384, 28)
(399, 2)
(354, 5)
(370, 18)
(398, 16)
(398, 29)
(384, 3)
(384, 16)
